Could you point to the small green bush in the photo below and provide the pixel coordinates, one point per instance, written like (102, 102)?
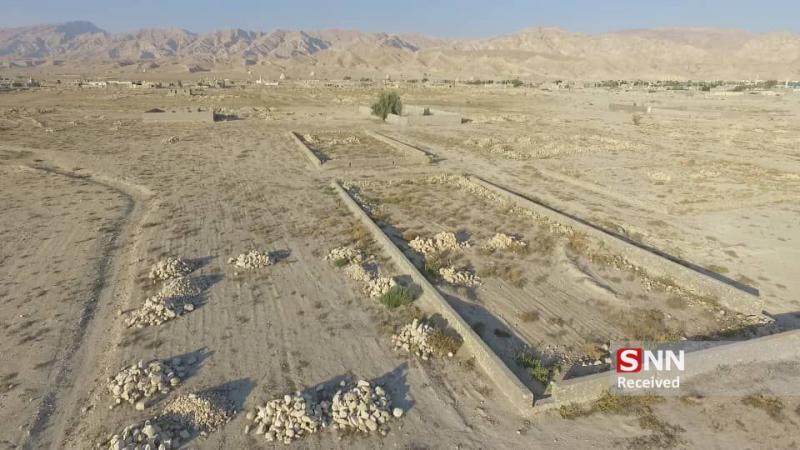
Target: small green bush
(427, 112)
(537, 370)
(341, 262)
(388, 103)
(397, 296)
(432, 266)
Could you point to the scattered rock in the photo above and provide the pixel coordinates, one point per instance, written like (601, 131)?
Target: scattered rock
(148, 434)
(168, 268)
(144, 380)
(413, 338)
(288, 418)
(502, 241)
(459, 277)
(363, 408)
(170, 302)
(374, 284)
(202, 412)
(363, 272)
(437, 244)
(171, 140)
(347, 255)
(251, 260)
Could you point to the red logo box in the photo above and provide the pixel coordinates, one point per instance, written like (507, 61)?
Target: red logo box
(629, 360)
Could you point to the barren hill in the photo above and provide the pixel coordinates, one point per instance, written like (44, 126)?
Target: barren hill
(534, 53)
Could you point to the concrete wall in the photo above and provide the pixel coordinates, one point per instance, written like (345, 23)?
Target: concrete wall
(310, 156)
(732, 294)
(413, 115)
(178, 116)
(431, 300)
(408, 150)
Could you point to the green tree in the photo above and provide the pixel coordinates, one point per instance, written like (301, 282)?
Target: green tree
(388, 103)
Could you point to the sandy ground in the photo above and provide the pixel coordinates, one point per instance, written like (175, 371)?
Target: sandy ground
(702, 184)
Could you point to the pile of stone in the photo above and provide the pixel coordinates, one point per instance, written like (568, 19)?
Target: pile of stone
(363, 408)
(502, 241)
(150, 434)
(378, 286)
(202, 412)
(288, 418)
(413, 338)
(142, 380)
(347, 254)
(251, 260)
(182, 418)
(176, 297)
(459, 277)
(374, 284)
(437, 244)
(347, 140)
(168, 268)
(170, 140)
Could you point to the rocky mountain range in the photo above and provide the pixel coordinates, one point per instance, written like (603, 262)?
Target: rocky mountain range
(534, 53)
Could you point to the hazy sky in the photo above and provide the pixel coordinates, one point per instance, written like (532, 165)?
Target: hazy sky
(463, 18)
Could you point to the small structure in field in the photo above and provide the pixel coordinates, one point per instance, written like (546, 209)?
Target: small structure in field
(418, 115)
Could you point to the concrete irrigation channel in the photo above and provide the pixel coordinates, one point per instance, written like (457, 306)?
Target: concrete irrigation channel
(730, 293)
(516, 392)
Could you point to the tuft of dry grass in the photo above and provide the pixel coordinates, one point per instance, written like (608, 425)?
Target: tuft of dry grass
(529, 316)
(648, 325)
(443, 342)
(359, 233)
(771, 405)
(611, 403)
(506, 272)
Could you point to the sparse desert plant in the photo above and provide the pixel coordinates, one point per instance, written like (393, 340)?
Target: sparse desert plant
(648, 325)
(637, 119)
(388, 103)
(427, 112)
(432, 266)
(444, 343)
(529, 316)
(536, 368)
(359, 234)
(397, 296)
(341, 262)
(773, 406)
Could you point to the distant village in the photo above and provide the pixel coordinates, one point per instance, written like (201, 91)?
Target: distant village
(198, 87)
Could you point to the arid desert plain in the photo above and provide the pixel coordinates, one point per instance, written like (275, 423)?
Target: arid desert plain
(189, 273)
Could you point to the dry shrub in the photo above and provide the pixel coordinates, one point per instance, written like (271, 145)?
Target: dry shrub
(444, 342)
(359, 233)
(506, 272)
(612, 403)
(771, 405)
(648, 325)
